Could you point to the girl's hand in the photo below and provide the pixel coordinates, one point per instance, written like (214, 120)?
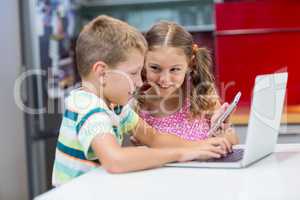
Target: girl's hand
(217, 114)
(230, 135)
(225, 139)
(225, 125)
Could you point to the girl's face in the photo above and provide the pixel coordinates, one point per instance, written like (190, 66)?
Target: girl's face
(166, 68)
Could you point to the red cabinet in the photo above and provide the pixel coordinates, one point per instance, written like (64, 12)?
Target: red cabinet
(255, 38)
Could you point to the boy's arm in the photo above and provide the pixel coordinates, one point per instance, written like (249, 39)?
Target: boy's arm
(117, 159)
(149, 136)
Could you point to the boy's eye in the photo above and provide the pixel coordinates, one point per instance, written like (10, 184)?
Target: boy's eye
(175, 69)
(134, 73)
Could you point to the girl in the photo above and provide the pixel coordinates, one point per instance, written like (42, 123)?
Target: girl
(182, 100)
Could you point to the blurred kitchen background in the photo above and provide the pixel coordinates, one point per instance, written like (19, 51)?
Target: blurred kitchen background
(37, 41)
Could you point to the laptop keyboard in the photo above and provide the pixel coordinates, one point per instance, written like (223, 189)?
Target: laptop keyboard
(235, 156)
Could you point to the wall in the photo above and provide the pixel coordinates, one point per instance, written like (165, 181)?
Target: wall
(13, 180)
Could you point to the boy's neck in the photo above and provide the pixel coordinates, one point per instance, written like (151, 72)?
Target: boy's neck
(96, 89)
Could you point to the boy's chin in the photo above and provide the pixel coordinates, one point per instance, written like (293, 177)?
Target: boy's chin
(118, 101)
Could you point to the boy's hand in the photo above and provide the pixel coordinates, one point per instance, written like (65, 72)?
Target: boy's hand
(221, 142)
(135, 141)
(198, 153)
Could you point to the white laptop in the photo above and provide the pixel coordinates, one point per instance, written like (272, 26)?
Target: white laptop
(263, 127)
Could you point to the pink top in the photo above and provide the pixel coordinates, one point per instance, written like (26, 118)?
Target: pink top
(179, 124)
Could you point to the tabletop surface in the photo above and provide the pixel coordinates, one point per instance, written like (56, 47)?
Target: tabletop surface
(275, 177)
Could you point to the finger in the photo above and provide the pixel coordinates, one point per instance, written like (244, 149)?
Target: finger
(222, 143)
(218, 143)
(227, 119)
(217, 150)
(231, 136)
(219, 112)
(213, 155)
(214, 147)
(229, 116)
(224, 107)
(134, 141)
(206, 146)
(224, 147)
(228, 145)
(223, 126)
(217, 132)
(205, 155)
(222, 130)
(227, 126)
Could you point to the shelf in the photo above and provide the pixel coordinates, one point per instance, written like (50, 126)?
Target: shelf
(109, 3)
(201, 28)
(196, 16)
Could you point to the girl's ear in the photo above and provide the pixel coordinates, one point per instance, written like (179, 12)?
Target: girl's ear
(192, 60)
(193, 57)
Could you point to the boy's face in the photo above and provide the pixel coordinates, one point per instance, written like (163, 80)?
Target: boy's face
(121, 82)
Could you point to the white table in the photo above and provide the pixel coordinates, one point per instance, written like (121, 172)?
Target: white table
(276, 177)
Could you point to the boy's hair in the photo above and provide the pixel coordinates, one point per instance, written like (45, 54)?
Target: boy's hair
(108, 40)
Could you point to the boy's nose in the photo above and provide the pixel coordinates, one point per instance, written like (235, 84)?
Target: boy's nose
(139, 82)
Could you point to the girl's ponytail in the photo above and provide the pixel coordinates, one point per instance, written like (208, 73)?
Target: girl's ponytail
(203, 93)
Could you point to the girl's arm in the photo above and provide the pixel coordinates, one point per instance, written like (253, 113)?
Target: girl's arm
(117, 159)
(149, 136)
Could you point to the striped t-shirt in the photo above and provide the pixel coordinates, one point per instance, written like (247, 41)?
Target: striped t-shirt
(86, 116)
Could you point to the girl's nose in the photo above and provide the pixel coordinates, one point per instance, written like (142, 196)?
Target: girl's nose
(164, 78)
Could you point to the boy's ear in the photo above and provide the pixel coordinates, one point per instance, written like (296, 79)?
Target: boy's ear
(99, 68)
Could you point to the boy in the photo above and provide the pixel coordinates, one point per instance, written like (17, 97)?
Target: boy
(110, 56)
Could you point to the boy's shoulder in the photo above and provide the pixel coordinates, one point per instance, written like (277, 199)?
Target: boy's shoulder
(82, 102)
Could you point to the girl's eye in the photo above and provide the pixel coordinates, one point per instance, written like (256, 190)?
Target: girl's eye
(154, 68)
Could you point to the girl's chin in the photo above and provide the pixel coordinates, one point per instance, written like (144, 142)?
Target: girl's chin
(165, 93)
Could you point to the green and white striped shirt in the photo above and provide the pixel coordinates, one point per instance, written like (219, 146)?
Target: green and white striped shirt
(86, 116)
